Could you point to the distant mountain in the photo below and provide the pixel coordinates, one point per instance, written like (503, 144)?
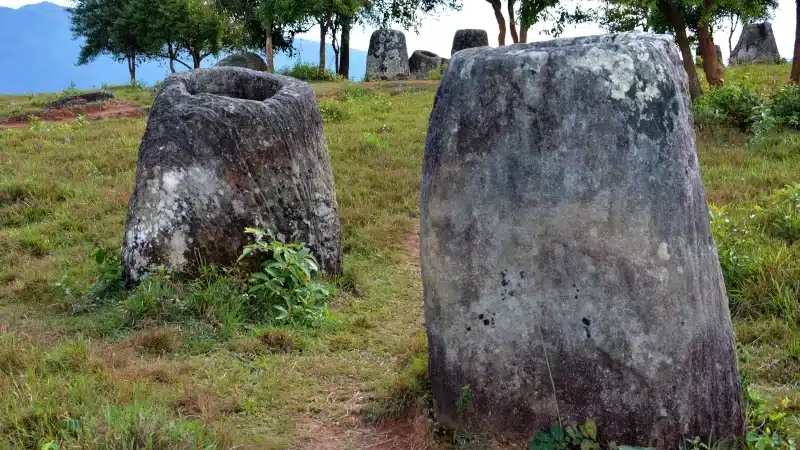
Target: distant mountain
(38, 54)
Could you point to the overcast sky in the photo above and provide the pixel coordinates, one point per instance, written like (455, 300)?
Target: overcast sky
(436, 33)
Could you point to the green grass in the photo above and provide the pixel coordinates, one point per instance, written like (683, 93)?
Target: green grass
(130, 372)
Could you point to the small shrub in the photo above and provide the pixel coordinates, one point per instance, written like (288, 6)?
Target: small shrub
(286, 288)
(732, 105)
(157, 341)
(277, 341)
(308, 72)
(583, 437)
(70, 90)
(371, 141)
(355, 92)
(785, 106)
(780, 214)
(436, 74)
(110, 281)
(332, 111)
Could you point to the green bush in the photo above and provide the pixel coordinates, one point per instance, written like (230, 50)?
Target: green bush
(785, 106)
(332, 111)
(436, 74)
(308, 72)
(732, 105)
(286, 289)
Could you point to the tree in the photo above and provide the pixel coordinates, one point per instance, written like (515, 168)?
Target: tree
(120, 28)
(267, 24)
(679, 17)
(202, 32)
(794, 78)
(497, 7)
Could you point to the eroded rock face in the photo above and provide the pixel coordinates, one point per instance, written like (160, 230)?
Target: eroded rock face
(227, 148)
(567, 259)
(756, 45)
(387, 57)
(422, 62)
(248, 60)
(79, 100)
(720, 61)
(469, 38)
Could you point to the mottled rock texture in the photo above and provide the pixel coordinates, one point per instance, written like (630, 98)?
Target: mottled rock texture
(387, 57)
(469, 38)
(248, 60)
(422, 62)
(567, 259)
(756, 45)
(226, 148)
(720, 61)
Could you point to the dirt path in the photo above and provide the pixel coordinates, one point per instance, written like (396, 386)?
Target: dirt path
(94, 111)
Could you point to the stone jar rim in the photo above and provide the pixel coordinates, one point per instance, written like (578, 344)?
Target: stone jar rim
(236, 85)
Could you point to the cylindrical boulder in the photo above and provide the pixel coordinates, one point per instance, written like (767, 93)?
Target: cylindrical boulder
(228, 148)
(387, 57)
(568, 265)
(422, 62)
(756, 45)
(469, 38)
(248, 60)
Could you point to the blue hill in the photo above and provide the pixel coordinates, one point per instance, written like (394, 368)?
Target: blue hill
(38, 54)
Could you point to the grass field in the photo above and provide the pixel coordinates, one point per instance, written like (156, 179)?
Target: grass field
(131, 372)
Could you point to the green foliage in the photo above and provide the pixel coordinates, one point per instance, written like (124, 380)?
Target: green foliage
(757, 253)
(286, 289)
(583, 437)
(123, 29)
(731, 105)
(766, 430)
(371, 142)
(464, 398)
(110, 281)
(436, 73)
(785, 106)
(779, 214)
(332, 111)
(308, 72)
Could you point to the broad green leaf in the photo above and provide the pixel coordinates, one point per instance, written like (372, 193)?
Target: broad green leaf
(591, 429)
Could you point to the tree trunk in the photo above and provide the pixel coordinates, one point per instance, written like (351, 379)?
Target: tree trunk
(132, 67)
(268, 49)
(795, 76)
(344, 48)
(674, 17)
(708, 50)
(734, 23)
(501, 21)
(196, 59)
(709, 54)
(512, 21)
(523, 34)
(171, 55)
(323, 31)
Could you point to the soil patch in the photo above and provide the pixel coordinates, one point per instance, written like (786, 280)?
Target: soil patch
(92, 111)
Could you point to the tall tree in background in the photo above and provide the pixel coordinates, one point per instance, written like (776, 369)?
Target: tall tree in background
(120, 28)
(186, 27)
(680, 17)
(266, 24)
(497, 7)
(794, 78)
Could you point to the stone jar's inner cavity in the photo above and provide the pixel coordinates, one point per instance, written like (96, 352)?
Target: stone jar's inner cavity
(240, 84)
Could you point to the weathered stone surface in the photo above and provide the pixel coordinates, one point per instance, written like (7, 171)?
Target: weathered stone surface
(469, 38)
(387, 57)
(720, 61)
(78, 100)
(226, 148)
(248, 60)
(756, 45)
(567, 259)
(422, 62)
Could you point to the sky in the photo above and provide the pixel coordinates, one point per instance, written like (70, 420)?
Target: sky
(436, 33)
